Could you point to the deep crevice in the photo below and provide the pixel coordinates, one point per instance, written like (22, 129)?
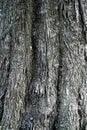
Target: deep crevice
(79, 109)
(30, 95)
(34, 42)
(81, 12)
(82, 124)
(56, 121)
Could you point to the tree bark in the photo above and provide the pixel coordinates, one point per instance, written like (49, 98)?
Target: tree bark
(43, 60)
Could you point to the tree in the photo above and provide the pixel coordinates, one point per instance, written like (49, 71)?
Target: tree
(43, 57)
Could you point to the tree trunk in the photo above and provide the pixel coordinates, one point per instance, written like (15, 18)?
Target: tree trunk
(43, 60)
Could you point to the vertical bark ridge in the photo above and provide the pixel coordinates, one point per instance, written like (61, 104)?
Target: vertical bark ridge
(52, 23)
(72, 48)
(14, 99)
(5, 58)
(83, 89)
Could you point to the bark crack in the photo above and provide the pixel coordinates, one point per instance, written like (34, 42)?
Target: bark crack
(81, 12)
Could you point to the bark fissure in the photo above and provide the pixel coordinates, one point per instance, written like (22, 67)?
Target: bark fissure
(81, 12)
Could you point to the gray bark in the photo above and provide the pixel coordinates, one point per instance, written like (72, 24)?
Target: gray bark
(43, 61)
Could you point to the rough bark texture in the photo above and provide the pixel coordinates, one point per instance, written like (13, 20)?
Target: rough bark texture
(43, 64)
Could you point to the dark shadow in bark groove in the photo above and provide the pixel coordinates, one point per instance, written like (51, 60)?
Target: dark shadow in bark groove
(34, 41)
(79, 110)
(56, 120)
(31, 97)
(82, 17)
(1, 107)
